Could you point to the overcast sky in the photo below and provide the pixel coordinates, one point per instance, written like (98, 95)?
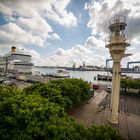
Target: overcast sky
(61, 32)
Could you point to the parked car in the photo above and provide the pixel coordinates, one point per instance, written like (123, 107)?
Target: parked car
(32, 80)
(91, 91)
(11, 76)
(96, 87)
(1, 81)
(108, 89)
(21, 77)
(28, 80)
(8, 82)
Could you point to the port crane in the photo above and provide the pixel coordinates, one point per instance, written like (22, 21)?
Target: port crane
(73, 63)
(107, 62)
(131, 62)
(83, 63)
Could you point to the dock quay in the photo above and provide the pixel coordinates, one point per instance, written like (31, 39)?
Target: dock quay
(22, 80)
(25, 80)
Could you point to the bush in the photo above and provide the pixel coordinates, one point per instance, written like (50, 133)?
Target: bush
(103, 133)
(32, 114)
(26, 116)
(76, 90)
(67, 92)
(47, 91)
(128, 84)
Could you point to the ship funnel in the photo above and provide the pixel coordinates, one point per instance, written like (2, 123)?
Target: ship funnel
(13, 49)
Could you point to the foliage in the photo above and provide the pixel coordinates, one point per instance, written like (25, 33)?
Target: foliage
(76, 90)
(128, 84)
(47, 91)
(67, 92)
(32, 114)
(103, 133)
(22, 115)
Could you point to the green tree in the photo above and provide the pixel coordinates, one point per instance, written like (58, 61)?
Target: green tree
(103, 133)
(67, 92)
(129, 84)
(124, 84)
(47, 91)
(76, 90)
(26, 116)
(32, 114)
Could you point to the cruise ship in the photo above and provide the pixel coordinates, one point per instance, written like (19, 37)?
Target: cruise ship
(16, 62)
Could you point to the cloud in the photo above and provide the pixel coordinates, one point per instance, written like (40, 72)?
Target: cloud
(27, 24)
(57, 12)
(37, 26)
(100, 15)
(27, 21)
(53, 9)
(60, 52)
(12, 34)
(93, 52)
(67, 57)
(78, 54)
(55, 36)
(92, 41)
(36, 57)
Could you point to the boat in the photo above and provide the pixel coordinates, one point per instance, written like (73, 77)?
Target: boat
(16, 61)
(104, 77)
(109, 78)
(61, 74)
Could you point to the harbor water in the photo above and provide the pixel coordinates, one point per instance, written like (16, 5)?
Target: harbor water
(85, 75)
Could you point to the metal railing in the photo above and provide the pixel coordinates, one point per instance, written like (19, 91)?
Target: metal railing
(117, 19)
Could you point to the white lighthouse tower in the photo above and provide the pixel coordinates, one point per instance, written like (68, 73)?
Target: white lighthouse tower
(117, 44)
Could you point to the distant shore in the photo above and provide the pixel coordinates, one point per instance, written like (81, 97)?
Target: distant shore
(124, 70)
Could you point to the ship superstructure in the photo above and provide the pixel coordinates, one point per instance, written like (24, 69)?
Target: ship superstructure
(16, 62)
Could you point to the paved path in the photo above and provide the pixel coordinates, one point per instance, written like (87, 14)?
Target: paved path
(96, 111)
(98, 97)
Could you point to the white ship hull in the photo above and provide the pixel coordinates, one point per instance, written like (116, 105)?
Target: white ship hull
(16, 62)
